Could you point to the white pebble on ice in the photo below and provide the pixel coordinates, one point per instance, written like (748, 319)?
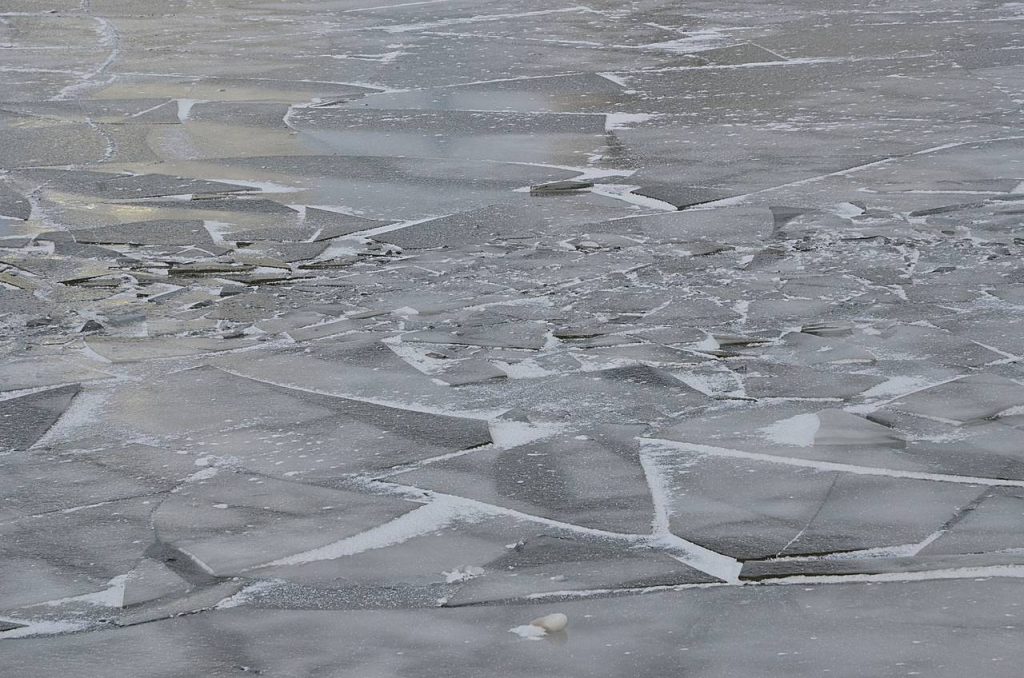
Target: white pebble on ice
(551, 622)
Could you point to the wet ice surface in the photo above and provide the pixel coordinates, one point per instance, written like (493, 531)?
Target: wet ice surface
(341, 338)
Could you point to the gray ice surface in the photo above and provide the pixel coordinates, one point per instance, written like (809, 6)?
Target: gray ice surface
(343, 338)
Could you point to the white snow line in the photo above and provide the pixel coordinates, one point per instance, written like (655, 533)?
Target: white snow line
(770, 51)
(474, 414)
(458, 21)
(150, 109)
(883, 403)
(108, 37)
(659, 493)
(417, 493)
(417, 522)
(591, 593)
(417, 465)
(197, 562)
(611, 77)
(711, 451)
(898, 551)
(585, 173)
(264, 187)
(403, 4)
(699, 558)
(380, 230)
(41, 628)
(624, 192)
(112, 596)
(982, 572)
(738, 199)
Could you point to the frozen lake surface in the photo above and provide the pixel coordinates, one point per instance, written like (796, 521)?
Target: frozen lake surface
(345, 338)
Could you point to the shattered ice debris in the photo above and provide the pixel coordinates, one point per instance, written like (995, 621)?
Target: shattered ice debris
(541, 626)
(461, 574)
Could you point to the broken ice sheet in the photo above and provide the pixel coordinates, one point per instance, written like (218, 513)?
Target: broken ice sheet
(453, 553)
(550, 564)
(992, 524)
(584, 398)
(509, 335)
(808, 327)
(287, 432)
(28, 373)
(14, 204)
(364, 369)
(71, 553)
(471, 372)
(107, 185)
(160, 232)
(25, 419)
(573, 479)
(233, 521)
(793, 430)
(554, 94)
(130, 350)
(36, 483)
(753, 509)
(978, 396)
(762, 379)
